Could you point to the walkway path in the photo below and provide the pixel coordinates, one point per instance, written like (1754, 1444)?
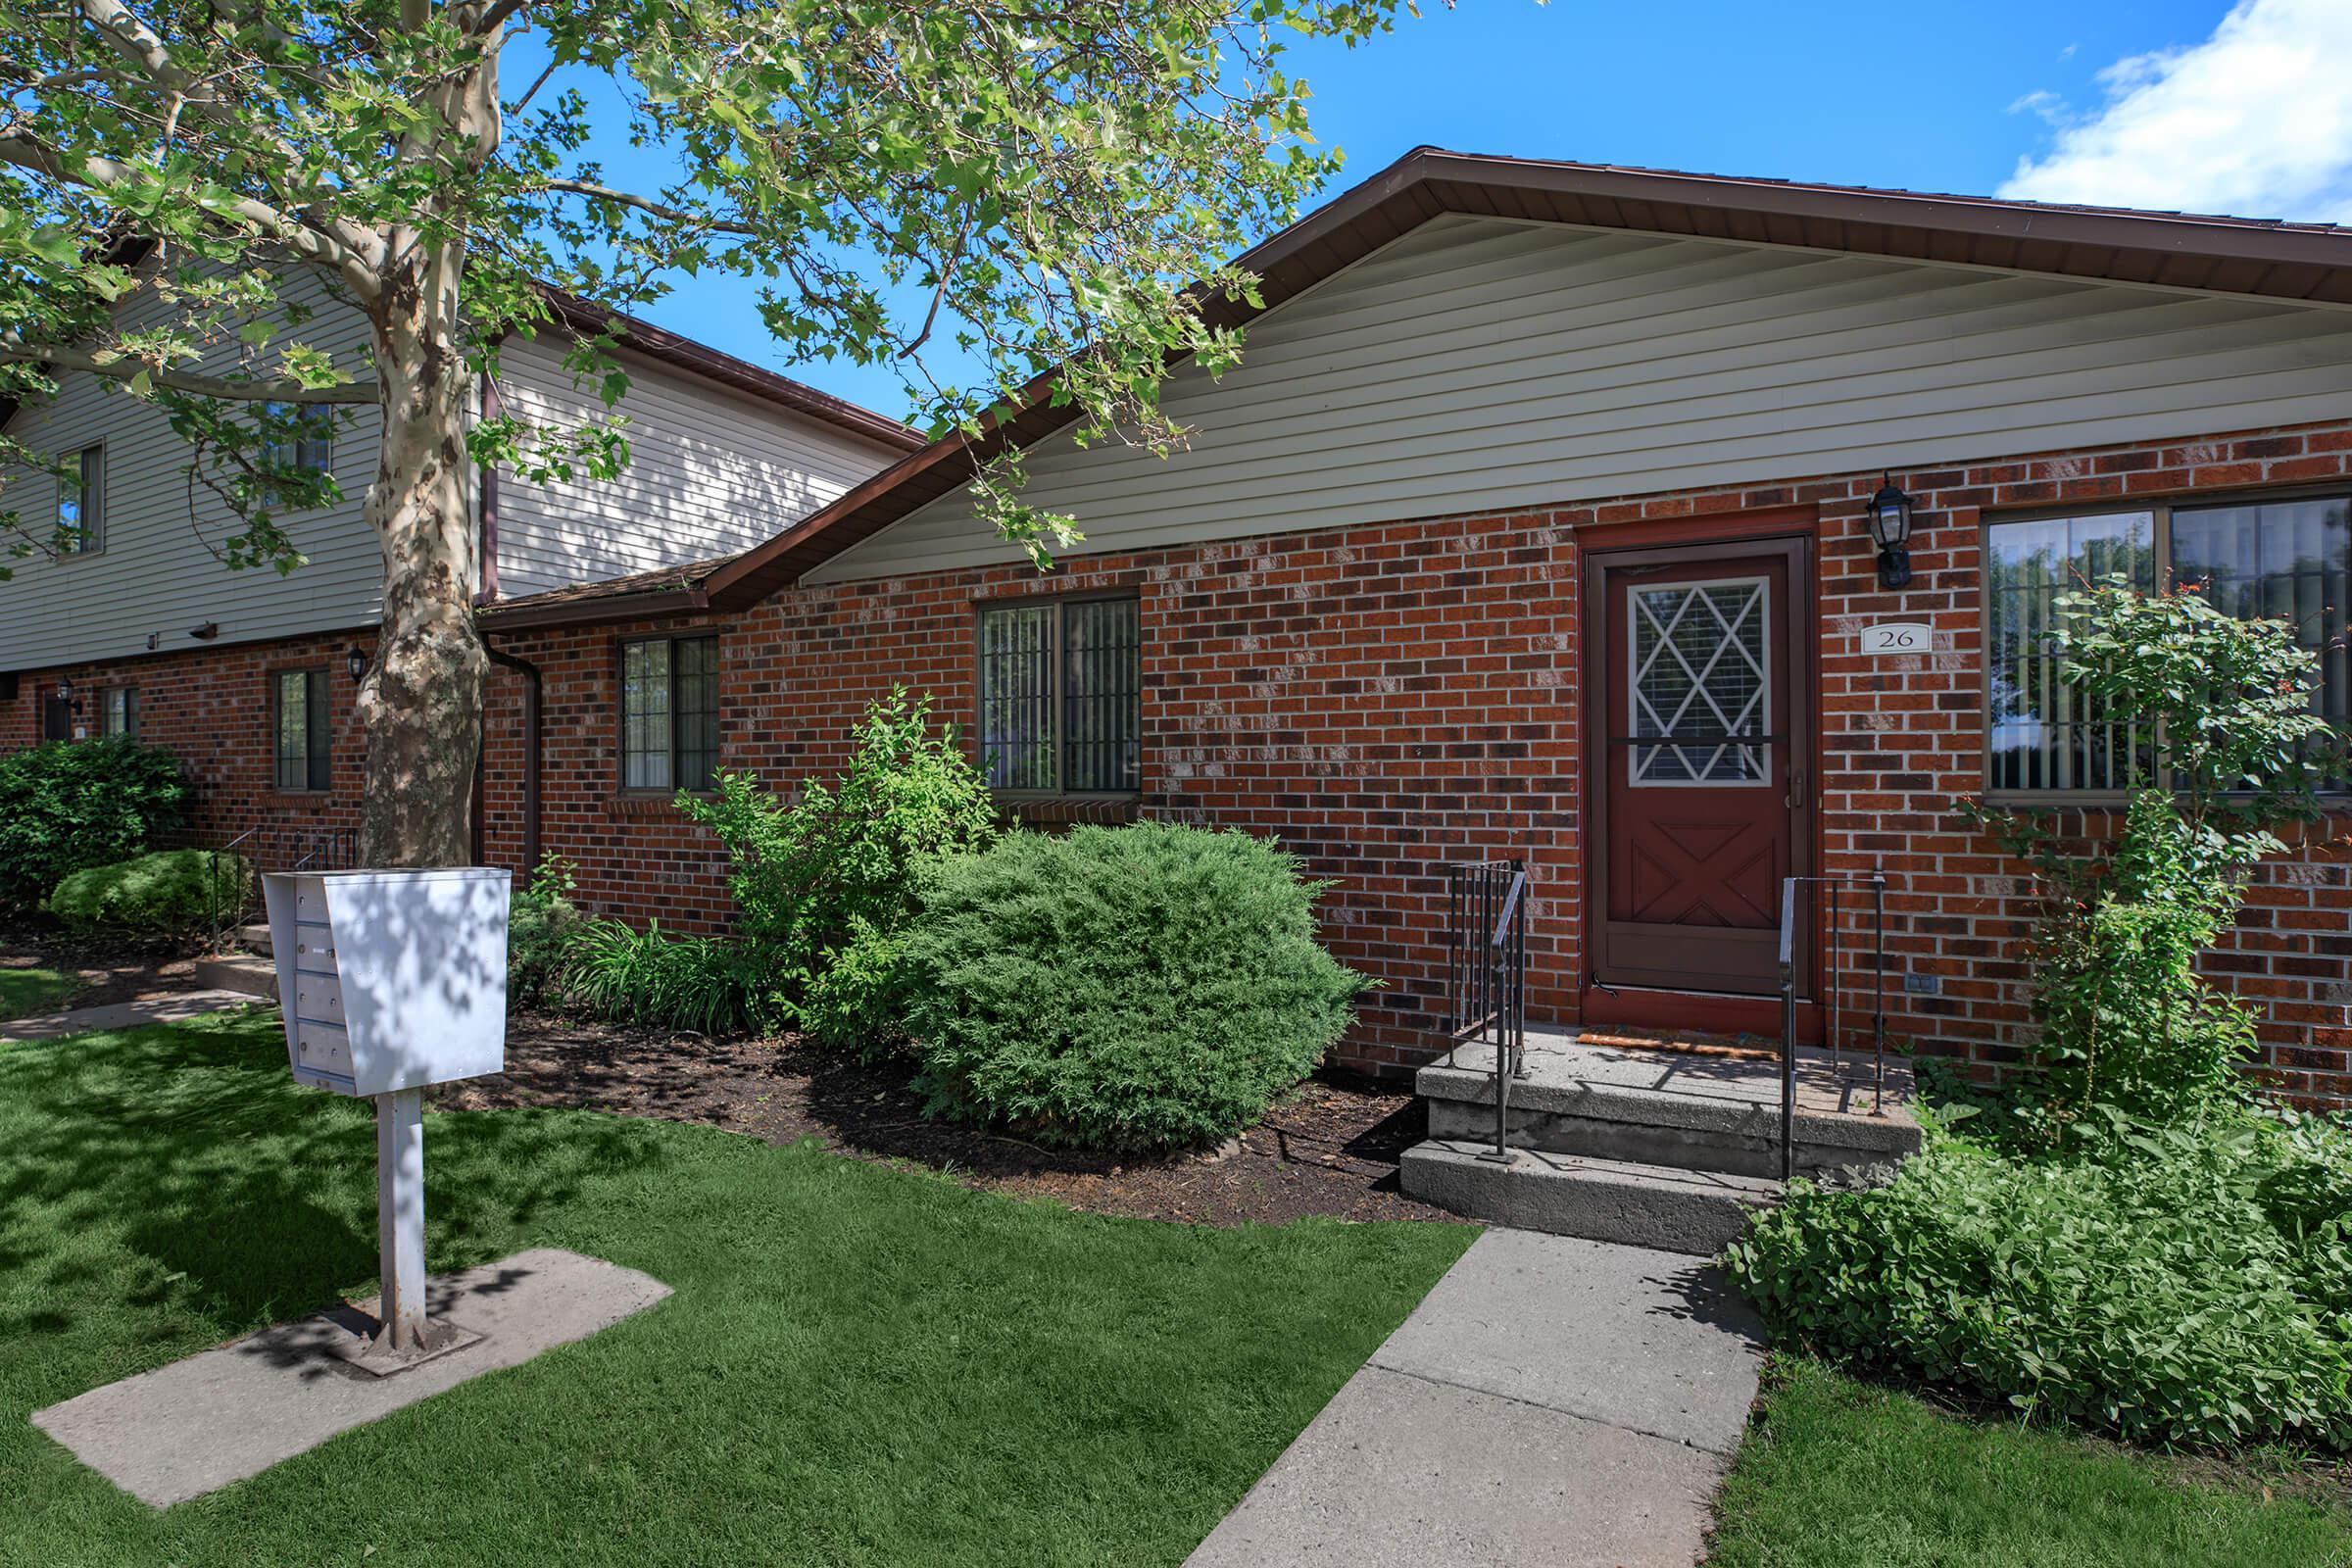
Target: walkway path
(1554, 1403)
(170, 1008)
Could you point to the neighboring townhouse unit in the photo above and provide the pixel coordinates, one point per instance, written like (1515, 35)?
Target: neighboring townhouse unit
(250, 675)
(1532, 524)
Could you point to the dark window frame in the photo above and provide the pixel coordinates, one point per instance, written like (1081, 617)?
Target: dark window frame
(2160, 511)
(1059, 652)
(678, 749)
(313, 453)
(88, 495)
(129, 696)
(317, 759)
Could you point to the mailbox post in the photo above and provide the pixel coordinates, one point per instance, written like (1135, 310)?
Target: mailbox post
(390, 981)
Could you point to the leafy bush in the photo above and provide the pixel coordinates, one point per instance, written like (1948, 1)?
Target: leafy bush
(806, 874)
(541, 923)
(169, 891)
(2190, 1284)
(860, 1001)
(702, 984)
(2126, 1023)
(1141, 987)
(67, 807)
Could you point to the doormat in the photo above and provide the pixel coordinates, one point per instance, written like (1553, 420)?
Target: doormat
(1738, 1049)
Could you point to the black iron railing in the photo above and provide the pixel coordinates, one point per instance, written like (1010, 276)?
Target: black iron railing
(230, 901)
(1486, 973)
(1824, 905)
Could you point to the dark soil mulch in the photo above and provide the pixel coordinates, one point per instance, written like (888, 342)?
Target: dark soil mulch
(1330, 1148)
(113, 969)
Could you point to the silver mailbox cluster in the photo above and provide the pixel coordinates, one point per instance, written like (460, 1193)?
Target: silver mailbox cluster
(390, 980)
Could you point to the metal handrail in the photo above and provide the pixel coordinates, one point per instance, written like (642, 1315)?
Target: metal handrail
(1875, 881)
(1487, 981)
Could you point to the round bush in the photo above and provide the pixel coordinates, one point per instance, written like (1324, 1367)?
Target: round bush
(1136, 988)
(64, 806)
(167, 891)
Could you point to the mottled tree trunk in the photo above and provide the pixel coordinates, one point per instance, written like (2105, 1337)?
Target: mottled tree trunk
(422, 700)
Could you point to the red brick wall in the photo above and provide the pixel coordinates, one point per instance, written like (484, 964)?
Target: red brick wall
(1388, 698)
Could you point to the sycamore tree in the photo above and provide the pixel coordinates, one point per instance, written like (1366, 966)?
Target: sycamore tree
(1050, 188)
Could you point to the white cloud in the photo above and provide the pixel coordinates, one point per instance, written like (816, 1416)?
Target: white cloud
(2256, 121)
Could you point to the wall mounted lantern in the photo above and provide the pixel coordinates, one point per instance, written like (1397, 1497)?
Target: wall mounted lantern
(355, 661)
(1891, 528)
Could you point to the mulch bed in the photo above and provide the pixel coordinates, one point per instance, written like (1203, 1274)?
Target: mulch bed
(1330, 1148)
(113, 969)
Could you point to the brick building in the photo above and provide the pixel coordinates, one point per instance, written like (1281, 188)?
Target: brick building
(1534, 524)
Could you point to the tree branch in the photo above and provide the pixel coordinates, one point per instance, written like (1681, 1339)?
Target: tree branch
(669, 214)
(102, 173)
(496, 17)
(124, 367)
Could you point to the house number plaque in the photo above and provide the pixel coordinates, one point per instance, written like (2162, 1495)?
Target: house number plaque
(1898, 637)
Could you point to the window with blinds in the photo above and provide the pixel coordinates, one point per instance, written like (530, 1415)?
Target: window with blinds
(301, 730)
(2286, 561)
(1061, 696)
(670, 713)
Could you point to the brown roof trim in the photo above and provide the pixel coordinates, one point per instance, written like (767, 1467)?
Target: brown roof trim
(685, 354)
(2305, 262)
(674, 590)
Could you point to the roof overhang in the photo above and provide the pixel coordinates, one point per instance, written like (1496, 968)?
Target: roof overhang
(2306, 262)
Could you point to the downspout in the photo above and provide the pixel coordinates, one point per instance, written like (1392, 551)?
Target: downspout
(532, 688)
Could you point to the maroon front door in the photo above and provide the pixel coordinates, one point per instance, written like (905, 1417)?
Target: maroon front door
(1703, 690)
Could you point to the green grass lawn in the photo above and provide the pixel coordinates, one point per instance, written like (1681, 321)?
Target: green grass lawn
(859, 1365)
(1839, 1474)
(25, 992)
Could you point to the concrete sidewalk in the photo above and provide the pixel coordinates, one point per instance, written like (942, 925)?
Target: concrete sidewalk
(1554, 1403)
(170, 1008)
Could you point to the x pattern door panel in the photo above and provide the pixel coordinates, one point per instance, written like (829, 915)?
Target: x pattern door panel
(1700, 665)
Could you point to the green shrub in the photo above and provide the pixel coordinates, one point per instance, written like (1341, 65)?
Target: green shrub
(541, 923)
(2126, 1024)
(1141, 987)
(169, 891)
(860, 1001)
(66, 806)
(700, 984)
(806, 874)
(2185, 1285)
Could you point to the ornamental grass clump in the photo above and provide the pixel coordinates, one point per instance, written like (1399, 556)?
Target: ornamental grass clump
(1136, 988)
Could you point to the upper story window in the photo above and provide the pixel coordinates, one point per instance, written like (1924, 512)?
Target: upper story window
(299, 728)
(670, 713)
(1061, 696)
(2285, 560)
(313, 444)
(81, 502)
(122, 712)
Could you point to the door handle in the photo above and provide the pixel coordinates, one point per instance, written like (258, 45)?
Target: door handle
(1795, 797)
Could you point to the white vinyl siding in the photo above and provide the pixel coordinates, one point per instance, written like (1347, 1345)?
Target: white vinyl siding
(710, 471)
(155, 574)
(1477, 365)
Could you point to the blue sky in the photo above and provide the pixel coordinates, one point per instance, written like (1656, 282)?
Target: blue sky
(2163, 103)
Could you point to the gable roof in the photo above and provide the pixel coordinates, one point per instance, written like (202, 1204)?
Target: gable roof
(2309, 262)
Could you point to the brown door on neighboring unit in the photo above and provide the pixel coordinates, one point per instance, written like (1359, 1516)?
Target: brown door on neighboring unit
(1703, 690)
(57, 718)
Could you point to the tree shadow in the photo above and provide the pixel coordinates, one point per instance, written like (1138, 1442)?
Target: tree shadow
(252, 1201)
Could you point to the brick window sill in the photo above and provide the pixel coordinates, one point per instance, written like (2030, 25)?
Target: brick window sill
(656, 803)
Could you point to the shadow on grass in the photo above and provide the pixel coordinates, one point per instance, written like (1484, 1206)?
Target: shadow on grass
(254, 1200)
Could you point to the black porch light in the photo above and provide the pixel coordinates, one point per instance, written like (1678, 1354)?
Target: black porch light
(65, 689)
(355, 661)
(1890, 530)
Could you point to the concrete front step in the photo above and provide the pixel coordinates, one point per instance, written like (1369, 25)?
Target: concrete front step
(256, 938)
(1659, 1207)
(1696, 1114)
(239, 971)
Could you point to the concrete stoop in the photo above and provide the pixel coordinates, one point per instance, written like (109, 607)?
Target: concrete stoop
(1646, 1148)
(239, 971)
(1660, 1206)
